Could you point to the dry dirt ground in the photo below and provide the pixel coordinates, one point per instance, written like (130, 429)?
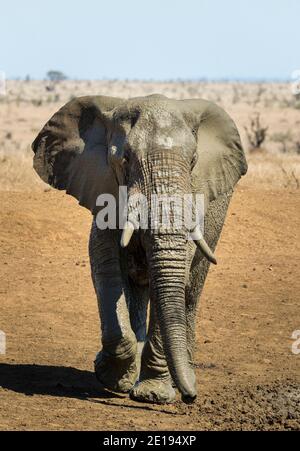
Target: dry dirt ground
(248, 377)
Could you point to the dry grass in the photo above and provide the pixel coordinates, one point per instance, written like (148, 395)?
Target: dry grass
(274, 170)
(28, 105)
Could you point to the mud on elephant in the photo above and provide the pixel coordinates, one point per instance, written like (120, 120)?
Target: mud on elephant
(151, 145)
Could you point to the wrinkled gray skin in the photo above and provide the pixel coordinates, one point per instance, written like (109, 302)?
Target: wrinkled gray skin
(152, 145)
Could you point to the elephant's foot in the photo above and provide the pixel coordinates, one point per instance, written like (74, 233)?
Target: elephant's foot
(116, 366)
(156, 391)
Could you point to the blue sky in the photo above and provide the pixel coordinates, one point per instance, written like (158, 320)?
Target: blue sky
(153, 39)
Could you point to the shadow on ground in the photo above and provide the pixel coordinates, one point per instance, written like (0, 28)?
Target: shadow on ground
(63, 381)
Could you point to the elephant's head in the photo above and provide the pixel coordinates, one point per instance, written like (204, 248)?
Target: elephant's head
(153, 145)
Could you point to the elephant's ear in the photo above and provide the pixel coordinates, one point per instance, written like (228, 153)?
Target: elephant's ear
(71, 150)
(221, 159)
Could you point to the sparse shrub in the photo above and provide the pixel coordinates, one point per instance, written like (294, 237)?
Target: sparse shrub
(291, 180)
(256, 134)
(283, 138)
(18, 99)
(236, 95)
(260, 91)
(50, 88)
(297, 147)
(297, 105)
(37, 102)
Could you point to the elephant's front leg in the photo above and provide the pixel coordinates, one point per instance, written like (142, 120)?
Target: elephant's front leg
(193, 291)
(155, 383)
(115, 364)
(198, 270)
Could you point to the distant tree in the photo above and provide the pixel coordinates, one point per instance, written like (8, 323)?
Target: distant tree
(55, 76)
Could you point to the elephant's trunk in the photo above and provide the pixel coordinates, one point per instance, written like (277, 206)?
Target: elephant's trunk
(167, 173)
(167, 275)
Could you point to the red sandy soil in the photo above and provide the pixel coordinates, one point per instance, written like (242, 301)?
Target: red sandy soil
(248, 377)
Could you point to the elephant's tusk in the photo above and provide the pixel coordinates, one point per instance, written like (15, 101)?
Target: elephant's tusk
(200, 242)
(127, 233)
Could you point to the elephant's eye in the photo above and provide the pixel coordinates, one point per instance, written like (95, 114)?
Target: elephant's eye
(126, 157)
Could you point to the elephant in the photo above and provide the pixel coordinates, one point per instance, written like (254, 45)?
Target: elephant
(150, 145)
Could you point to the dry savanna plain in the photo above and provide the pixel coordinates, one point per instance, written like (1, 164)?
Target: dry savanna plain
(247, 363)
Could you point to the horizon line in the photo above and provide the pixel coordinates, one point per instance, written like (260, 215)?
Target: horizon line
(164, 80)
